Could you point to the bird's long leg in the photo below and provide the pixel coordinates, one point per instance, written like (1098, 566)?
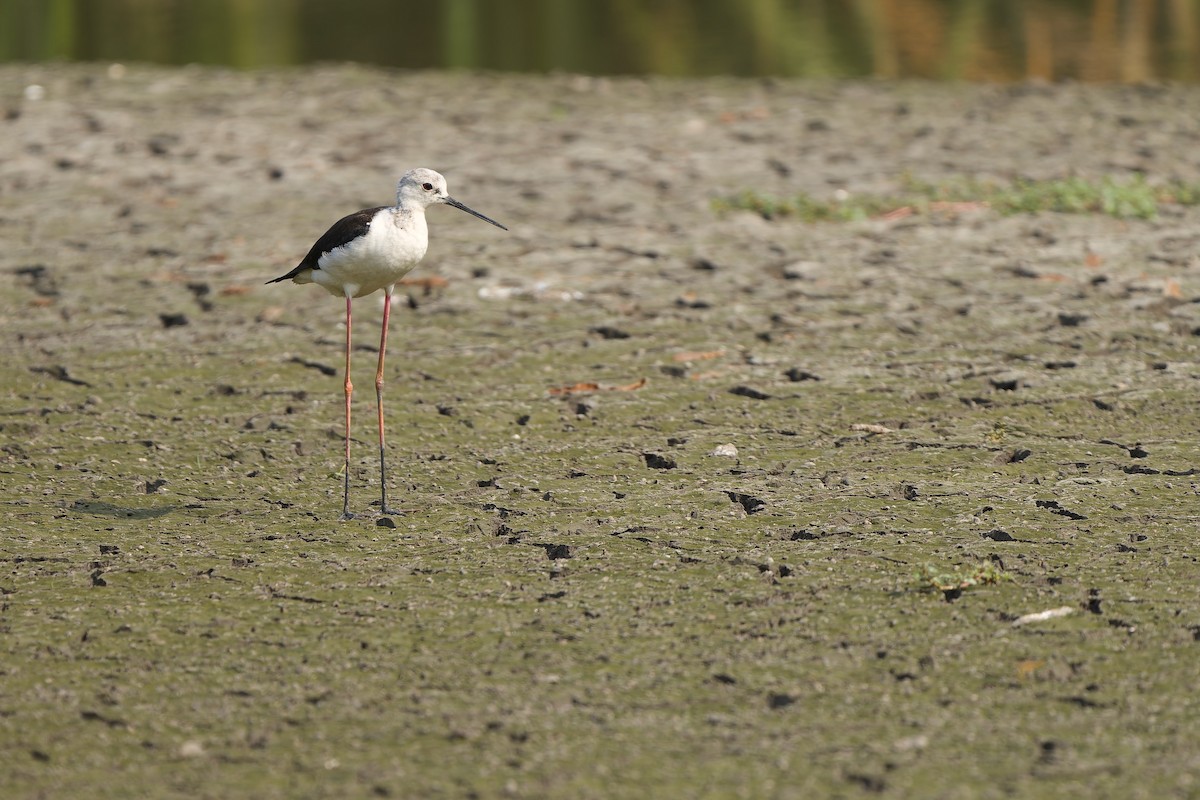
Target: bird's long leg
(349, 391)
(384, 508)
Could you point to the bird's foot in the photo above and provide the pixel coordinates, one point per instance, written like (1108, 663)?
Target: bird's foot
(348, 515)
(388, 511)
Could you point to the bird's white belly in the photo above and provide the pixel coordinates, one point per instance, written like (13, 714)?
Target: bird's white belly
(377, 260)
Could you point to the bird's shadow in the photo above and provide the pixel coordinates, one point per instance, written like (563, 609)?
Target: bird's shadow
(102, 509)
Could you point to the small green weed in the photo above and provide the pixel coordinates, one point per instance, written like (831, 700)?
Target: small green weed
(1130, 199)
(953, 583)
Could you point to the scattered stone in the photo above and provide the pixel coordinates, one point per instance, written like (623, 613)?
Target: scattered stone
(751, 504)
(1054, 507)
(998, 535)
(173, 320)
(557, 551)
(748, 391)
(659, 461)
(690, 300)
(608, 332)
(724, 451)
(1013, 456)
(39, 278)
(801, 270)
(385, 522)
(191, 749)
(796, 375)
(1042, 616)
(777, 700)
(59, 372)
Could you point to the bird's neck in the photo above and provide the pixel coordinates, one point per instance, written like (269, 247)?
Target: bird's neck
(408, 217)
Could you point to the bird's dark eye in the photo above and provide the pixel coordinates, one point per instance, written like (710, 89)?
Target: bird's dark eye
(427, 187)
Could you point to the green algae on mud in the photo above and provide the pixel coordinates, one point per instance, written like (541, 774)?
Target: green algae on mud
(553, 615)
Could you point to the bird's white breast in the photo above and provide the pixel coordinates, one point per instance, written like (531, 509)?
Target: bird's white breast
(394, 243)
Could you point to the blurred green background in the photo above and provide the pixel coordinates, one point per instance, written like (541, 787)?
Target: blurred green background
(984, 40)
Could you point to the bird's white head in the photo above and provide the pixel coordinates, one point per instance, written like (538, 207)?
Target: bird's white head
(421, 188)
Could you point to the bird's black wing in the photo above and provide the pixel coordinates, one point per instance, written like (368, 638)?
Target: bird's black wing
(345, 230)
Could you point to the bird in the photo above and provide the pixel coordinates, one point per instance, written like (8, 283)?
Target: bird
(365, 252)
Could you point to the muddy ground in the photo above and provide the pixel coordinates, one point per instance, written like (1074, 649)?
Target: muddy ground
(587, 595)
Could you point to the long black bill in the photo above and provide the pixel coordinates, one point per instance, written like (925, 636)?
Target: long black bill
(450, 201)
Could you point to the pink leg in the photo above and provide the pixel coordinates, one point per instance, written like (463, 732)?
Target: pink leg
(349, 391)
(383, 482)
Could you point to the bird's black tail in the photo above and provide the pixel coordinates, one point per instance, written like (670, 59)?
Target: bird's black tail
(290, 275)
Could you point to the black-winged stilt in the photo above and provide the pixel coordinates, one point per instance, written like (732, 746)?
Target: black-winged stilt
(371, 250)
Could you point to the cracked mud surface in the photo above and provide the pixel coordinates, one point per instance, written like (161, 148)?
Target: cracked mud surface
(703, 584)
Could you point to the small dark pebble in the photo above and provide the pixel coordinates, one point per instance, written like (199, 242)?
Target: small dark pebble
(557, 551)
(795, 374)
(748, 391)
(173, 320)
(1013, 456)
(385, 522)
(608, 332)
(659, 461)
(1053, 506)
(998, 535)
(751, 504)
(779, 700)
